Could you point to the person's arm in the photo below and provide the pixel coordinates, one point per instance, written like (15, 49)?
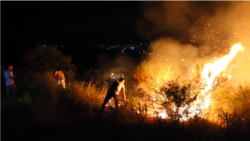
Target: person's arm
(11, 75)
(124, 94)
(63, 76)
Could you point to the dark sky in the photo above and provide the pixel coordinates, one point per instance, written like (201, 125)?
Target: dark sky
(69, 23)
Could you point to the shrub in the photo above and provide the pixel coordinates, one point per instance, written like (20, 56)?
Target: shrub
(151, 77)
(230, 104)
(179, 94)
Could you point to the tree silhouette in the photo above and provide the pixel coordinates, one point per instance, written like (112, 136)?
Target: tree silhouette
(43, 58)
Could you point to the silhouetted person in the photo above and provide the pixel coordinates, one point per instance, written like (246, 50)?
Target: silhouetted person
(60, 78)
(114, 91)
(10, 85)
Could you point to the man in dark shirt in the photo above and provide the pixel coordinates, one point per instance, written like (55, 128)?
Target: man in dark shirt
(114, 91)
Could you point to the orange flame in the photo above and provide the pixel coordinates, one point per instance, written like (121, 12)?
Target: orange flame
(212, 70)
(209, 74)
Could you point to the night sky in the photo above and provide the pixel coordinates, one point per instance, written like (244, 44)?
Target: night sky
(78, 26)
(69, 23)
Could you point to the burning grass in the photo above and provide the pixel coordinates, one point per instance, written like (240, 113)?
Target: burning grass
(171, 95)
(151, 77)
(76, 107)
(167, 90)
(179, 106)
(231, 104)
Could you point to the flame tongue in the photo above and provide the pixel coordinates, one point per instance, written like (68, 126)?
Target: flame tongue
(208, 75)
(211, 71)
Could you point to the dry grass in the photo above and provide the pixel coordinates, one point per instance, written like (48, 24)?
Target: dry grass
(231, 104)
(151, 77)
(80, 102)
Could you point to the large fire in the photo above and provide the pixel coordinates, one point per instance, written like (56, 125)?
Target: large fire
(212, 70)
(209, 74)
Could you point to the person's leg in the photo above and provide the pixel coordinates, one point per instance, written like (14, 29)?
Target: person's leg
(63, 83)
(60, 83)
(116, 108)
(104, 103)
(14, 91)
(57, 83)
(8, 90)
(116, 102)
(13, 88)
(8, 94)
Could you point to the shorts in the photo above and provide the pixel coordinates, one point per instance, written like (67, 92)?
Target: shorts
(60, 83)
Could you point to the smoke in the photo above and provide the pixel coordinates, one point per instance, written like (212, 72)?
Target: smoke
(173, 18)
(187, 33)
(118, 64)
(168, 50)
(237, 18)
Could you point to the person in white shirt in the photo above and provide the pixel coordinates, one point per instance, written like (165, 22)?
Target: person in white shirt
(60, 78)
(10, 85)
(114, 91)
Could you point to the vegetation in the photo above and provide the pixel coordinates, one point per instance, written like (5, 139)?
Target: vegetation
(41, 58)
(43, 111)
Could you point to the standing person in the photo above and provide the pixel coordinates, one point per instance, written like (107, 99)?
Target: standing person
(10, 85)
(60, 78)
(114, 91)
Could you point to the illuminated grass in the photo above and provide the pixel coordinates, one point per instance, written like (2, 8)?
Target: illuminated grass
(151, 77)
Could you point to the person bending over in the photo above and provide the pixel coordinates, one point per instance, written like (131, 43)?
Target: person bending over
(114, 91)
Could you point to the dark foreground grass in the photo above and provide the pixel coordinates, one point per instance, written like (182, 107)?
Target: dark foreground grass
(19, 123)
(43, 112)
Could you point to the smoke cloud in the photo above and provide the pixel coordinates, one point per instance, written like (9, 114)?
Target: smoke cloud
(117, 64)
(188, 33)
(173, 18)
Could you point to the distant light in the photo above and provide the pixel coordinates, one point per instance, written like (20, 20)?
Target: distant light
(132, 47)
(167, 60)
(95, 71)
(182, 59)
